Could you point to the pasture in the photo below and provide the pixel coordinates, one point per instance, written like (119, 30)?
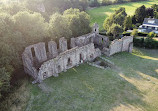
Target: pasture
(134, 87)
(99, 14)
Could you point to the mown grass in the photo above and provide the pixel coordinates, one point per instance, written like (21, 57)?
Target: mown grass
(98, 15)
(133, 87)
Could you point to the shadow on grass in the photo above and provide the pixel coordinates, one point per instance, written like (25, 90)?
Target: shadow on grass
(141, 60)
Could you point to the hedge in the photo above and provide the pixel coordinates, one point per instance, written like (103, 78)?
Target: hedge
(146, 43)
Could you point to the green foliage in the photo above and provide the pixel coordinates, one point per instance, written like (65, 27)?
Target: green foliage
(146, 43)
(6, 66)
(140, 14)
(117, 18)
(134, 32)
(5, 76)
(72, 23)
(94, 3)
(127, 23)
(78, 22)
(151, 35)
(31, 26)
(58, 26)
(115, 30)
(155, 7)
(12, 8)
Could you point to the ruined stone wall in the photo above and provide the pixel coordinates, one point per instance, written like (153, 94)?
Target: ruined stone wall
(82, 40)
(101, 41)
(115, 46)
(34, 55)
(43, 60)
(120, 45)
(41, 64)
(67, 60)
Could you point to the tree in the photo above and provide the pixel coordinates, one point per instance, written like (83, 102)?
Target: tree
(149, 12)
(84, 4)
(151, 35)
(7, 56)
(134, 19)
(13, 8)
(127, 23)
(94, 3)
(140, 14)
(115, 30)
(155, 8)
(78, 22)
(31, 26)
(117, 18)
(58, 26)
(134, 32)
(72, 23)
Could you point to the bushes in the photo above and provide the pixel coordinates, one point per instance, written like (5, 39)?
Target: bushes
(146, 43)
(151, 35)
(110, 2)
(134, 32)
(126, 33)
(142, 34)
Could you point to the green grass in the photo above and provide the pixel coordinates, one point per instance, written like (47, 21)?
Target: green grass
(98, 15)
(85, 88)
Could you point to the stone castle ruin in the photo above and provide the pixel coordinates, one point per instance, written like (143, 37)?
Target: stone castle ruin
(43, 60)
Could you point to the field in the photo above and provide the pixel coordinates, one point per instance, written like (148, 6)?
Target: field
(132, 87)
(98, 15)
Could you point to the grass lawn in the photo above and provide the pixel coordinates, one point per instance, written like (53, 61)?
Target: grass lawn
(99, 14)
(133, 87)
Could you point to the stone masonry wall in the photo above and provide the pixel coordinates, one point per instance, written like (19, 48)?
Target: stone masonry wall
(67, 60)
(119, 45)
(41, 64)
(43, 60)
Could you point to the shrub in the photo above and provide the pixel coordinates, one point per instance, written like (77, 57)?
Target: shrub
(146, 43)
(126, 33)
(142, 34)
(150, 43)
(134, 32)
(115, 30)
(151, 35)
(139, 42)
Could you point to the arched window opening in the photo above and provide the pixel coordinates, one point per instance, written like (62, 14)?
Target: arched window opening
(46, 46)
(102, 40)
(81, 58)
(33, 52)
(44, 75)
(69, 62)
(59, 68)
(91, 56)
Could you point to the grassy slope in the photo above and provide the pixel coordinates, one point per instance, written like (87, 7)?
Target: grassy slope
(86, 88)
(99, 14)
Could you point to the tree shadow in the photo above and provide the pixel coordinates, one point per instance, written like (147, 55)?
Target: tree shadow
(141, 60)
